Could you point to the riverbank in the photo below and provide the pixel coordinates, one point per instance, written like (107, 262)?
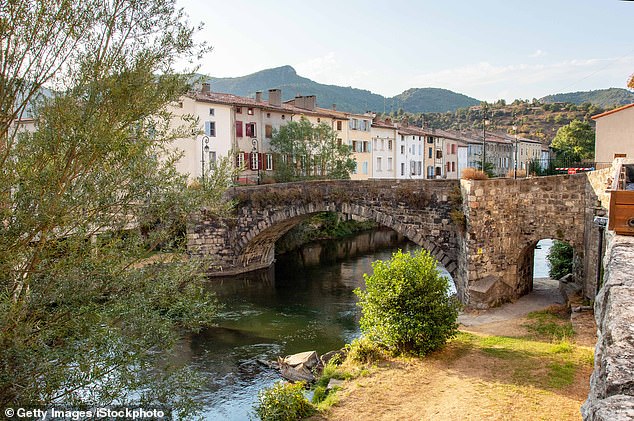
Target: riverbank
(503, 366)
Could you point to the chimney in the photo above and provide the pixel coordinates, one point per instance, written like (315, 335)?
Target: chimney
(258, 96)
(306, 102)
(275, 97)
(388, 120)
(334, 107)
(206, 88)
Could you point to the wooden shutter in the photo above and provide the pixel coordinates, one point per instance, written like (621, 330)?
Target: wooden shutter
(238, 129)
(260, 161)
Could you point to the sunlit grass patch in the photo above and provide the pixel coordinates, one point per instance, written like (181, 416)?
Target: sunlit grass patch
(552, 323)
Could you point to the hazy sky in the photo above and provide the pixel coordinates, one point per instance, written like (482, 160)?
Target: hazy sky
(487, 49)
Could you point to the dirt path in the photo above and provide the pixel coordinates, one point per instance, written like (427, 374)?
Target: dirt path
(471, 381)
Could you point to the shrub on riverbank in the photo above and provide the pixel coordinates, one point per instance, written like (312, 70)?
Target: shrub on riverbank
(406, 306)
(283, 402)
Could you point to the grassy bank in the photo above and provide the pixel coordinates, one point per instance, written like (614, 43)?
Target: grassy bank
(538, 372)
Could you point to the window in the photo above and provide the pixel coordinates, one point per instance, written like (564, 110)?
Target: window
(430, 172)
(448, 167)
(402, 149)
(268, 115)
(378, 164)
(254, 161)
(389, 144)
(430, 153)
(250, 130)
(364, 167)
(212, 159)
(430, 139)
(269, 161)
(402, 168)
(438, 154)
(339, 125)
(250, 111)
(454, 148)
(210, 128)
(268, 131)
(318, 120)
(412, 167)
(238, 110)
(238, 129)
(283, 117)
(240, 160)
(453, 166)
(211, 111)
(448, 148)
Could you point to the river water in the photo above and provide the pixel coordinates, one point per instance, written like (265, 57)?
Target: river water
(304, 302)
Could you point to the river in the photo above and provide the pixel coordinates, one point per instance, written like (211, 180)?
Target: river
(304, 302)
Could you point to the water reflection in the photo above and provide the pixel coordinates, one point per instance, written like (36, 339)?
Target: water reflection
(305, 302)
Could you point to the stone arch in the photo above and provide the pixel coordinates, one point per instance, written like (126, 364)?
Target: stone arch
(257, 247)
(526, 260)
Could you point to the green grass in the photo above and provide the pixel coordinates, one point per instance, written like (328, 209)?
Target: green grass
(553, 324)
(528, 361)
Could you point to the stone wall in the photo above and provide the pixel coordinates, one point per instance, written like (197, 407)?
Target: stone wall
(611, 395)
(419, 210)
(507, 218)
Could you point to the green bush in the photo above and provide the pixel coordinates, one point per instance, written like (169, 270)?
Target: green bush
(560, 259)
(406, 306)
(283, 402)
(363, 350)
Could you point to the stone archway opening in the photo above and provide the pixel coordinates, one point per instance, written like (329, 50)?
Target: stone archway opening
(533, 267)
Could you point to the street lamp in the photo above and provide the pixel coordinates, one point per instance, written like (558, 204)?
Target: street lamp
(515, 160)
(484, 137)
(254, 142)
(204, 149)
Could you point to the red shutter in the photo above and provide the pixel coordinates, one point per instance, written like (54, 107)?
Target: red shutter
(238, 129)
(260, 161)
(247, 162)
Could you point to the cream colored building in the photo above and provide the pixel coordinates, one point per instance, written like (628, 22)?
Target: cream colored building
(383, 149)
(241, 128)
(614, 134)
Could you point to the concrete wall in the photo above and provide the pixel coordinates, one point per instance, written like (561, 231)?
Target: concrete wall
(611, 396)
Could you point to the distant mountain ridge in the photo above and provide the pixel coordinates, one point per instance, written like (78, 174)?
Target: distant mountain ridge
(349, 99)
(414, 100)
(602, 97)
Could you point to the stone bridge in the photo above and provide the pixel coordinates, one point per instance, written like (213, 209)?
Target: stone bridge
(484, 232)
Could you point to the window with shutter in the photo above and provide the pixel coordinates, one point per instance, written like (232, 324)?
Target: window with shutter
(210, 128)
(238, 129)
(268, 129)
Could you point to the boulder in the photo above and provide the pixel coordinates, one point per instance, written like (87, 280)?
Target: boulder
(340, 354)
(309, 359)
(334, 383)
(298, 373)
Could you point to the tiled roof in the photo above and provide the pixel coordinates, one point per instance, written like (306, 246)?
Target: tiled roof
(240, 101)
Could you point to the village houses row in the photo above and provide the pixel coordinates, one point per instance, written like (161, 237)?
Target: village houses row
(243, 128)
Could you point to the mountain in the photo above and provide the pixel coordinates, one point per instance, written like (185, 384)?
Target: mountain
(433, 100)
(346, 98)
(602, 98)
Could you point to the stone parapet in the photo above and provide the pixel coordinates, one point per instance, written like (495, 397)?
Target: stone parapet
(611, 395)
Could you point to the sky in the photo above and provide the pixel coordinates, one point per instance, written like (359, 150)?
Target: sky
(486, 49)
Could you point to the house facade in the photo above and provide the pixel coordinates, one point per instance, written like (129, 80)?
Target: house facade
(614, 134)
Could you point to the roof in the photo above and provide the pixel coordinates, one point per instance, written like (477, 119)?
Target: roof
(616, 110)
(240, 101)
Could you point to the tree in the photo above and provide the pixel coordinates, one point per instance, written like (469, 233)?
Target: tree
(83, 312)
(574, 142)
(406, 304)
(560, 258)
(630, 83)
(305, 151)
